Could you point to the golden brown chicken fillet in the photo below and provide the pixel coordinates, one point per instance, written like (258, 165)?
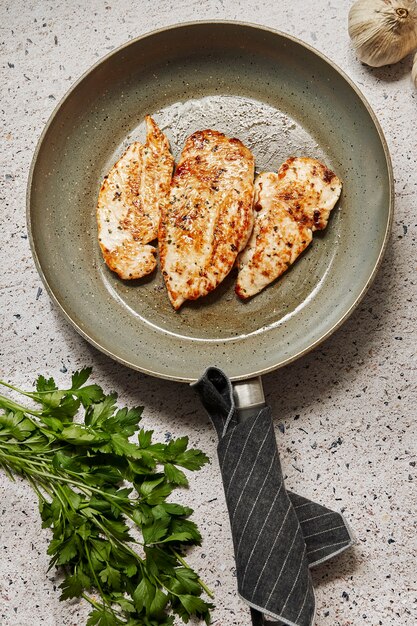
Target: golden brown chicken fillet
(128, 207)
(209, 216)
(289, 206)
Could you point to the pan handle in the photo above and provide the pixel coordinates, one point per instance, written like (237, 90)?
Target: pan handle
(249, 397)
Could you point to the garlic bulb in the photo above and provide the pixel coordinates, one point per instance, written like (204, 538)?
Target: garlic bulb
(414, 71)
(383, 31)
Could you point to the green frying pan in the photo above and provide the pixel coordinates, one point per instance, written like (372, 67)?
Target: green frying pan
(281, 98)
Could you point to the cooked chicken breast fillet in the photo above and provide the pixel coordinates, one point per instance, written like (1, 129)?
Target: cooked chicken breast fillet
(209, 216)
(277, 239)
(128, 207)
(310, 189)
(289, 206)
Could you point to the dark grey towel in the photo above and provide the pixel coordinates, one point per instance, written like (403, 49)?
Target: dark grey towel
(277, 535)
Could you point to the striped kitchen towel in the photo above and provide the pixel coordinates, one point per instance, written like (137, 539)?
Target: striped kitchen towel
(277, 535)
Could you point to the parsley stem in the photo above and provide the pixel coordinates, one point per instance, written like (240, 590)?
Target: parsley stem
(101, 607)
(115, 540)
(33, 439)
(62, 512)
(93, 571)
(59, 491)
(37, 491)
(18, 465)
(18, 460)
(161, 584)
(6, 403)
(35, 395)
(24, 393)
(93, 603)
(40, 455)
(6, 468)
(185, 564)
(115, 504)
(58, 477)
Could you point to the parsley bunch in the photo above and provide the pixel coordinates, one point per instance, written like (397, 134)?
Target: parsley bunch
(96, 490)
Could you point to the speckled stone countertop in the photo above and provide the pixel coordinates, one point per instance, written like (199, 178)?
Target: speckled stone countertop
(344, 413)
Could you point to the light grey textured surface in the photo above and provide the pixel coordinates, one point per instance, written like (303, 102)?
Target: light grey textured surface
(347, 409)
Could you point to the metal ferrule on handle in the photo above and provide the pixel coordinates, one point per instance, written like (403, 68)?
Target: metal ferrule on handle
(249, 397)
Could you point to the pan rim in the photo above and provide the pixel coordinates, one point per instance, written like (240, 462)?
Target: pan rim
(355, 303)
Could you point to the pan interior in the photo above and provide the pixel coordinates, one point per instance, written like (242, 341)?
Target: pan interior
(272, 136)
(281, 100)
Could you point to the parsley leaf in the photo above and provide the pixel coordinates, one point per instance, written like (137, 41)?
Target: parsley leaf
(78, 379)
(155, 531)
(105, 499)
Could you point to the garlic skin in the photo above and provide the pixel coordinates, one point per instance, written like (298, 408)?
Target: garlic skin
(383, 31)
(414, 72)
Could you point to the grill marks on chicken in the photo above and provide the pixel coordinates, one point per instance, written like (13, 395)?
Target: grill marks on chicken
(310, 189)
(128, 207)
(209, 216)
(277, 239)
(289, 206)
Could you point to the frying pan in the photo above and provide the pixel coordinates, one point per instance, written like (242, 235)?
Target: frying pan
(281, 98)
